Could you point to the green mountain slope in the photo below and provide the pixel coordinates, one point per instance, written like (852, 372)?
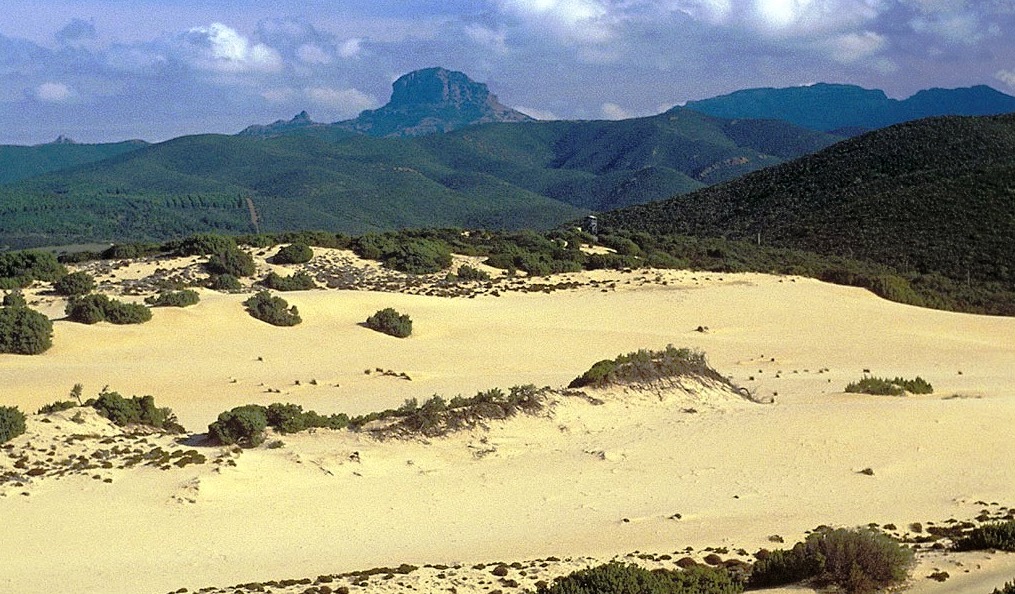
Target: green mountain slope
(21, 162)
(931, 196)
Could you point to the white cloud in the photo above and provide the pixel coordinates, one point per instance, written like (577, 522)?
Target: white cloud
(955, 27)
(495, 41)
(612, 111)
(222, 48)
(311, 53)
(345, 102)
(1007, 77)
(351, 48)
(853, 47)
(52, 92)
(539, 114)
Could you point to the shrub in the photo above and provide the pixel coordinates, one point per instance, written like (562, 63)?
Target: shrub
(15, 298)
(136, 410)
(204, 244)
(24, 331)
(128, 251)
(224, 282)
(468, 273)
(886, 387)
(290, 418)
(12, 423)
(55, 407)
(294, 253)
(390, 322)
(19, 269)
(243, 426)
(273, 310)
(232, 261)
(646, 366)
(75, 283)
(618, 578)
(1009, 588)
(414, 255)
(184, 298)
(91, 309)
(859, 561)
(299, 281)
(997, 535)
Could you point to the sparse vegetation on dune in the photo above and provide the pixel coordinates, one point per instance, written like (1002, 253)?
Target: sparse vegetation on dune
(184, 298)
(294, 253)
(995, 535)
(91, 309)
(12, 423)
(890, 387)
(647, 367)
(390, 322)
(136, 410)
(620, 578)
(24, 331)
(299, 281)
(273, 310)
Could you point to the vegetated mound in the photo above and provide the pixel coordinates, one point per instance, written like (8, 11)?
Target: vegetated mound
(931, 198)
(890, 387)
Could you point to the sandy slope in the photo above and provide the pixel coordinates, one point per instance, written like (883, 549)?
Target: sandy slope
(587, 481)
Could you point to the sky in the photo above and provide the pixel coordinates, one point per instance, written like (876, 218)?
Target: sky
(110, 70)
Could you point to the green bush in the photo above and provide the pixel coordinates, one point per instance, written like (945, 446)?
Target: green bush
(646, 366)
(136, 410)
(130, 251)
(55, 407)
(390, 322)
(203, 244)
(294, 253)
(12, 423)
(886, 387)
(75, 283)
(24, 331)
(91, 309)
(404, 252)
(243, 426)
(1009, 588)
(996, 535)
(273, 310)
(184, 298)
(859, 561)
(618, 578)
(290, 418)
(224, 282)
(15, 298)
(233, 261)
(468, 273)
(19, 269)
(299, 281)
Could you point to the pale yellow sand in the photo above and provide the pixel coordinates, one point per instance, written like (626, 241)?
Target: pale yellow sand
(531, 487)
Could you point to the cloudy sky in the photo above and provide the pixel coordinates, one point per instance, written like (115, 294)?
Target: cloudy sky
(105, 70)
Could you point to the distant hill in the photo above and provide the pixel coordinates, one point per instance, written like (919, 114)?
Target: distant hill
(930, 196)
(849, 110)
(428, 101)
(501, 175)
(20, 162)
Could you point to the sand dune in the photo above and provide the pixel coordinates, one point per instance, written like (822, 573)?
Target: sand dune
(637, 473)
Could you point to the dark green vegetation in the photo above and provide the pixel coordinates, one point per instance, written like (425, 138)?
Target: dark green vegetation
(136, 410)
(74, 284)
(184, 298)
(618, 578)
(21, 162)
(12, 423)
(91, 309)
(225, 282)
(300, 281)
(245, 425)
(389, 321)
(414, 255)
(995, 535)
(646, 367)
(845, 108)
(928, 204)
(496, 176)
(294, 253)
(468, 273)
(15, 298)
(890, 387)
(24, 331)
(1009, 588)
(859, 561)
(20, 269)
(232, 261)
(271, 309)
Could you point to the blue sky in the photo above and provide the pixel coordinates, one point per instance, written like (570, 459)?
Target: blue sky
(105, 70)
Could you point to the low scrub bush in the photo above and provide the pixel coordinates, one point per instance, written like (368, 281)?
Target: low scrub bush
(890, 387)
(130, 251)
(294, 253)
(390, 322)
(232, 261)
(202, 244)
(996, 535)
(24, 331)
(1009, 588)
(414, 255)
(859, 561)
(12, 423)
(15, 298)
(19, 269)
(91, 309)
(273, 310)
(184, 298)
(644, 366)
(469, 274)
(618, 578)
(55, 407)
(243, 426)
(300, 281)
(224, 282)
(136, 410)
(75, 283)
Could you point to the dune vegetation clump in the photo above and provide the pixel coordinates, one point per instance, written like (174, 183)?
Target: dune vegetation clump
(645, 367)
(996, 535)
(890, 387)
(20, 269)
(75, 283)
(12, 423)
(294, 253)
(468, 273)
(1009, 588)
(273, 310)
(620, 578)
(245, 425)
(300, 281)
(859, 561)
(184, 298)
(91, 309)
(224, 282)
(24, 331)
(232, 261)
(136, 410)
(390, 322)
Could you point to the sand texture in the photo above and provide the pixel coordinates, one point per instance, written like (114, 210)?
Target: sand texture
(629, 474)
